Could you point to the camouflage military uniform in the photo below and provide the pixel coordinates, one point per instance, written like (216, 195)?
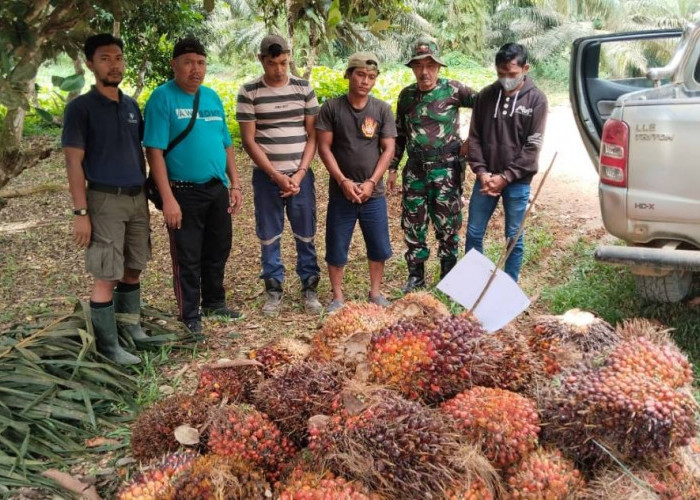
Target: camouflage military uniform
(428, 129)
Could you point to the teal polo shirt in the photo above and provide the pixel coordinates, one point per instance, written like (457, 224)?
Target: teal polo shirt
(201, 156)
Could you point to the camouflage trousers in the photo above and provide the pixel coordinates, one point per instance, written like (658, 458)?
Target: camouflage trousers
(431, 192)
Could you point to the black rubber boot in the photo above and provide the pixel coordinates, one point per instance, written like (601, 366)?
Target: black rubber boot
(308, 290)
(416, 277)
(446, 265)
(273, 289)
(106, 336)
(130, 303)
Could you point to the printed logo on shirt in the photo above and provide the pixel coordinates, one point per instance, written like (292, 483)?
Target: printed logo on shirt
(369, 127)
(132, 118)
(522, 110)
(209, 115)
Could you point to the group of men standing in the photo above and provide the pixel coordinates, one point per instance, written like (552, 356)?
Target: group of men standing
(192, 164)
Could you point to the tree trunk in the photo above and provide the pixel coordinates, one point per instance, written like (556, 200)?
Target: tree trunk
(79, 70)
(141, 77)
(290, 37)
(116, 27)
(13, 158)
(314, 43)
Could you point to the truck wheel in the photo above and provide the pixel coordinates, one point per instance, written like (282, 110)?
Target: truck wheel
(670, 288)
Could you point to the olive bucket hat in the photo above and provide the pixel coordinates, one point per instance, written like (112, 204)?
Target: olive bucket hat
(424, 47)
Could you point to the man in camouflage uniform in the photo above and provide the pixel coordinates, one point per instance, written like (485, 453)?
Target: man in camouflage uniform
(427, 122)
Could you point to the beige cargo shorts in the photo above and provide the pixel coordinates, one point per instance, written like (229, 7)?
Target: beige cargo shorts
(120, 234)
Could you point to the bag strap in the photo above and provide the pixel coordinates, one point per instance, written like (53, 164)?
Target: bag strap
(181, 136)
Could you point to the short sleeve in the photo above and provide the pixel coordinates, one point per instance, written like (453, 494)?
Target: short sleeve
(245, 110)
(466, 95)
(388, 122)
(311, 107)
(156, 122)
(75, 126)
(325, 117)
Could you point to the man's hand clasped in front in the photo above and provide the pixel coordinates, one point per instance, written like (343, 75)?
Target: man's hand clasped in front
(492, 185)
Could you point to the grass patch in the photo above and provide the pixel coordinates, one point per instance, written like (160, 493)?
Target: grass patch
(609, 292)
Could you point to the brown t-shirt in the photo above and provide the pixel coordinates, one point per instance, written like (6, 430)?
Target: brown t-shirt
(356, 135)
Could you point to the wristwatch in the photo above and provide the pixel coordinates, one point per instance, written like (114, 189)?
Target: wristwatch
(80, 211)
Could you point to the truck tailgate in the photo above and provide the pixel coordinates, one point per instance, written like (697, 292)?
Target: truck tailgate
(664, 164)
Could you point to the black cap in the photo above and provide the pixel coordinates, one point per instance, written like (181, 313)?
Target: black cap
(189, 45)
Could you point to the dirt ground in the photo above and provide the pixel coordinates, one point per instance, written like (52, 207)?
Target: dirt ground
(41, 267)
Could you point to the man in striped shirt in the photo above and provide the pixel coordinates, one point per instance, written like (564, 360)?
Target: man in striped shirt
(277, 116)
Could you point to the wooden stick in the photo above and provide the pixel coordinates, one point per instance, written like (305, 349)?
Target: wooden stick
(510, 245)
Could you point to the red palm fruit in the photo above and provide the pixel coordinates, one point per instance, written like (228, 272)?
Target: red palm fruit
(543, 474)
(504, 424)
(244, 433)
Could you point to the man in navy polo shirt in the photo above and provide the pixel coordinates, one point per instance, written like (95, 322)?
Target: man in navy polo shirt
(198, 181)
(102, 145)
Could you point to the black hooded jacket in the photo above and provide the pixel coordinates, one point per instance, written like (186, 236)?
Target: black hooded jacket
(506, 133)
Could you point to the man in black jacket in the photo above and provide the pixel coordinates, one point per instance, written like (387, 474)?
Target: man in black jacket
(505, 138)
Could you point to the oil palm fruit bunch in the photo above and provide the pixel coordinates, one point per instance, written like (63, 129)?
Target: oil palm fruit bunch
(434, 363)
(307, 485)
(518, 368)
(396, 447)
(544, 474)
(297, 393)
(152, 432)
(476, 490)
(153, 484)
(244, 433)
(418, 305)
(340, 325)
(273, 357)
(663, 361)
(634, 415)
(218, 382)
(666, 481)
(213, 477)
(504, 424)
(564, 340)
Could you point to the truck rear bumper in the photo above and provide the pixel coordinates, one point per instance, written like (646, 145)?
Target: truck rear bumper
(644, 260)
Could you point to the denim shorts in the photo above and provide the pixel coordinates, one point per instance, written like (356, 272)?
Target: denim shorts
(340, 224)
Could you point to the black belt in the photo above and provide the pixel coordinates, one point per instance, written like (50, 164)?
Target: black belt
(190, 185)
(118, 190)
(435, 154)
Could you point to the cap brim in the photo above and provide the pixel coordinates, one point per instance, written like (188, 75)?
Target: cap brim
(423, 56)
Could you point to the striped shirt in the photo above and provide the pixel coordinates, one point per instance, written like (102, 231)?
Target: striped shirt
(278, 113)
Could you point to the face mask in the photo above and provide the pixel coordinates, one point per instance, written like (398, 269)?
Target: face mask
(509, 84)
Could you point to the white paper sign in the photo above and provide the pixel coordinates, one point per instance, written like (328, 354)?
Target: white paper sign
(503, 301)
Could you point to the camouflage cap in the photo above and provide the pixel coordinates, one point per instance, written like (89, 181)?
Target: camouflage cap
(425, 47)
(366, 60)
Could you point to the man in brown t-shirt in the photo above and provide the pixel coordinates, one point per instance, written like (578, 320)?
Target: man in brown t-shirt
(356, 134)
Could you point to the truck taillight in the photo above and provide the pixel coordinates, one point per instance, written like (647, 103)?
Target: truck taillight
(614, 153)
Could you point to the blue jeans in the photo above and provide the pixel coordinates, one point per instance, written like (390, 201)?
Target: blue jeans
(269, 223)
(515, 197)
(340, 224)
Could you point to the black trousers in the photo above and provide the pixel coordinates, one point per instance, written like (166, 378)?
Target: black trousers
(200, 248)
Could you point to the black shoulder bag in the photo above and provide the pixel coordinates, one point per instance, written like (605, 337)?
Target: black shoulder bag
(150, 185)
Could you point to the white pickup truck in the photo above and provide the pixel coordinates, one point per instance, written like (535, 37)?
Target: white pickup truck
(642, 131)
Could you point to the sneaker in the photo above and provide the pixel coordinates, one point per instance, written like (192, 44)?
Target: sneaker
(380, 300)
(194, 325)
(335, 305)
(311, 303)
(221, 311)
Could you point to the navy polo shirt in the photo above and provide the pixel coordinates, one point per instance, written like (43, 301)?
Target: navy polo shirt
(110, 133)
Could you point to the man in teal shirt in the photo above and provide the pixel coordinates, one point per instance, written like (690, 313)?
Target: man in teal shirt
(197, 180)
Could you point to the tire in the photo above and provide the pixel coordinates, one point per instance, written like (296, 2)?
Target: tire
(673, 287)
